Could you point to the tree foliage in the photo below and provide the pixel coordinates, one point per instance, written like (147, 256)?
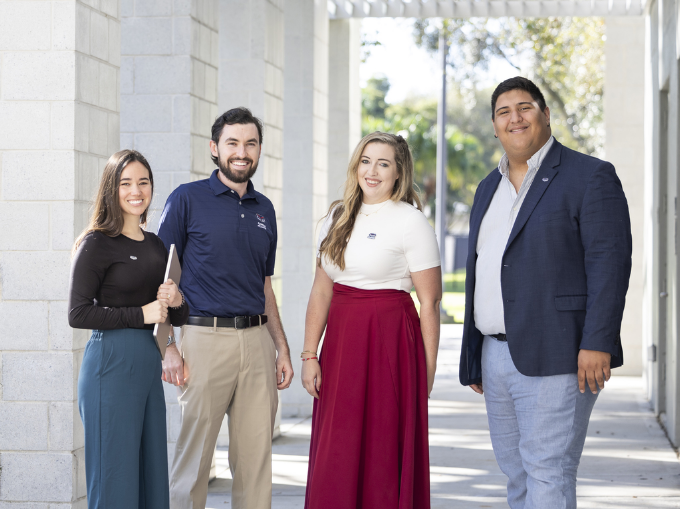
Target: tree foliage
(564, 56)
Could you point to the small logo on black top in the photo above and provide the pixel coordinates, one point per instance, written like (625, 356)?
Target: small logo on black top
(371, 236)
(133, 257)
(260, 218)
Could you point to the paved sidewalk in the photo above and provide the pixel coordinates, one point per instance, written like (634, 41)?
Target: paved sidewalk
(627, 461)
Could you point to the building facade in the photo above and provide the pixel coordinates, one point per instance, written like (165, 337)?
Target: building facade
(80, 79)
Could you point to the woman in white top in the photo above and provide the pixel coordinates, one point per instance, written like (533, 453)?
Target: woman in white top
(369, 445)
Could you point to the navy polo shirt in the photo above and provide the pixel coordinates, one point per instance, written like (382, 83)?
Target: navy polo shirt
(226, 245)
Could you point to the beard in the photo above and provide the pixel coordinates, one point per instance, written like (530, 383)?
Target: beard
(237, 177)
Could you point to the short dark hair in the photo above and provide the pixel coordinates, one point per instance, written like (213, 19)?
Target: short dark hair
(239, 115)
(517, 83)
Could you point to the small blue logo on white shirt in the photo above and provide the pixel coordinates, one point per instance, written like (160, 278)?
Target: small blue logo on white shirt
(371, 236)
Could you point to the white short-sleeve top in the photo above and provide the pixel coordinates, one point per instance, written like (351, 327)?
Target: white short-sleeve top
(390, 240)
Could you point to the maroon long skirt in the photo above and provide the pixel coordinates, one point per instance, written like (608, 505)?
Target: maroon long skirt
(369, 446)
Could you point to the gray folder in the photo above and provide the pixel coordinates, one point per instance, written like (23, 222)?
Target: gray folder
(162, 331)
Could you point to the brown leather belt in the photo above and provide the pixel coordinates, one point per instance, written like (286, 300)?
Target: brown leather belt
(237, 322)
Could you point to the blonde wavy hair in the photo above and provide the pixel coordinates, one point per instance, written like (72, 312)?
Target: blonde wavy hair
(345, 211)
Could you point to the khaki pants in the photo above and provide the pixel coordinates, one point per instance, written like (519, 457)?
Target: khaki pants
(230, 372)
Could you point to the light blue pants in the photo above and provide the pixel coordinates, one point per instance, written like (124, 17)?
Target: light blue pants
(120, 396)
(538, 427)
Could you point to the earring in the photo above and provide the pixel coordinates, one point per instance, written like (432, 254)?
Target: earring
(495, 136)
(548, 124)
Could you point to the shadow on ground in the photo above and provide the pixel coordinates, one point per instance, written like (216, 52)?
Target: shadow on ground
(627, 461)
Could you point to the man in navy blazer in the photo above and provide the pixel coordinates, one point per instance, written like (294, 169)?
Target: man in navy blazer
(547, 274)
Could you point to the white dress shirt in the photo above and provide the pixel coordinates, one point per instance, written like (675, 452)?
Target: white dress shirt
(493, 237)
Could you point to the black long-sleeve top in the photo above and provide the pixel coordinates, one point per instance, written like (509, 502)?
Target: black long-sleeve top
(113, 277)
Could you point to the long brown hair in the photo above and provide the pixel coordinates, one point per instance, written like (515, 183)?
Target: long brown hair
(345, 211)
(107, 216)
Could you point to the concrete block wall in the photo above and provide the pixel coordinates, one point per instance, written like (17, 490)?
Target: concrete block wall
(344, 96)
(250, 74)
(169, 88)
(662, 161)
(305, 169)
(59, 122)
(624, 148)
(251, 64)
(169, 66)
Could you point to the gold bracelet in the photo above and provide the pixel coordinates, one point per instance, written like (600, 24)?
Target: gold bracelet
(307, 351)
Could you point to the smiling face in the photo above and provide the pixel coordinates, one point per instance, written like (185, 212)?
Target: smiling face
(520, 125)
(237, 152)
(134, 191)
(377, 172)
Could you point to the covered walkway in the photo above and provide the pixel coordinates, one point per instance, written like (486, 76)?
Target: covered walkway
(627, 462)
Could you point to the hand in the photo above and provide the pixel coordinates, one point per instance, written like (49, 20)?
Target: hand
(173, 367)
(284, 371)
(593, 366)
(155, 312)
(477, 388)
(311, 377)
(169, 292)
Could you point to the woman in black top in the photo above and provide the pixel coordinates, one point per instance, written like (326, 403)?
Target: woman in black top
(117, 290)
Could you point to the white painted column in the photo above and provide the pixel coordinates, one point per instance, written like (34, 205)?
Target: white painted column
(625, 149)
(251, 58)
(169, 88)
(59, 71)
(668, 137)
(305, 171)
(344, 96)
(169, 103)
(654, 191)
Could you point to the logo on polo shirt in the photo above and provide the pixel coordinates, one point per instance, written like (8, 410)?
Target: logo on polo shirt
(371, 236)
(260, 218)
(261, 226)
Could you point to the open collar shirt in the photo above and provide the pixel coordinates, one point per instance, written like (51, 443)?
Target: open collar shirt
(493, 237)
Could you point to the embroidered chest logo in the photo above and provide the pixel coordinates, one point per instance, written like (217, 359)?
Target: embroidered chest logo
(260, 225)
(133, 257)
(371, 236)
(260, 218)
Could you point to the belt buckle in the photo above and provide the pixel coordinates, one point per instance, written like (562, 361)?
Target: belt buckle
(241, 322)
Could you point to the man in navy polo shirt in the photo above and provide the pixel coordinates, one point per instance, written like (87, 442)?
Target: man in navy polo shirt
(225, 235)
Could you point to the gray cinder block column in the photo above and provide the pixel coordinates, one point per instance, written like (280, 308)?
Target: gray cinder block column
(169, 88)
(168, 104)
(59, 122)
(251, 63)
(344, 97)
(625, 149)
(305, 170)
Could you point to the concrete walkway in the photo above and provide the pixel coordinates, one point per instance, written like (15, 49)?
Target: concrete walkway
(627, 461)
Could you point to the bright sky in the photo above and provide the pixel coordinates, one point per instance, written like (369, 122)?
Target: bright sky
(410, 70)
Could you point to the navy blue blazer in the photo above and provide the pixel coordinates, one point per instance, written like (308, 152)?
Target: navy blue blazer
(565, 268)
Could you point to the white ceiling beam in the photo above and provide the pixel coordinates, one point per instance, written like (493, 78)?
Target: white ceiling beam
(395, 8)
(484, 8)
(378, 8)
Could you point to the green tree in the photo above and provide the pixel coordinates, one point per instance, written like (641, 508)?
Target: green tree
(564, 56)
(373, 96)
